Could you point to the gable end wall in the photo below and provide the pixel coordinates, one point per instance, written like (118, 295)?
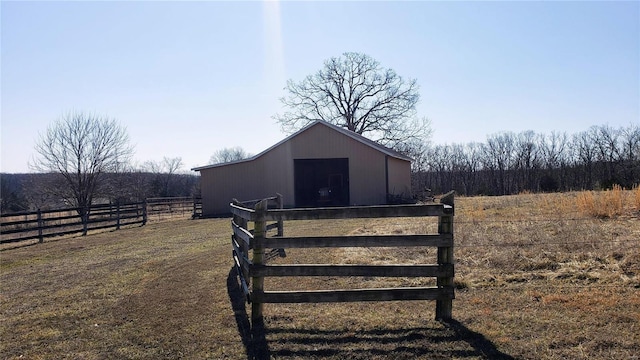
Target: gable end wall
(273, 171)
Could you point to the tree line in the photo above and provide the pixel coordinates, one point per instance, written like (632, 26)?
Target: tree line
(32, 191)
(510, 163)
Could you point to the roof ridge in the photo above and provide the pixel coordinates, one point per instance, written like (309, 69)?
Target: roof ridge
(352, 134)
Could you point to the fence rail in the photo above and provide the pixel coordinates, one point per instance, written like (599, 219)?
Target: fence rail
(252, 269)
(163, 207)
(41, 224)
(49, 223)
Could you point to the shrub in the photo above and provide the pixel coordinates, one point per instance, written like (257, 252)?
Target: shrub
(608, 203)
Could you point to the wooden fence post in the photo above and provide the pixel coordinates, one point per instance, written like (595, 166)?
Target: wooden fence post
(40, 226)
(257, 282)
(118, 215)
(144, 212)
(280, 204)
(244, 247)
(85, 220)
(445, 257)
(195, 208)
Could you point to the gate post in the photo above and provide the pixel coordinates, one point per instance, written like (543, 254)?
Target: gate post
(259, 233)
(445, 256)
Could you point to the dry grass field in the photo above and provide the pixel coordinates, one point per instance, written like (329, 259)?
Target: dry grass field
(539, 276)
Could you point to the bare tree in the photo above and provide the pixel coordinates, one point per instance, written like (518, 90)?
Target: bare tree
(585, 157)
(171, 166)
(606, 140)
(473, 162)
(630, 155)
(630, 142)
(439, 160)
(353, 91)
(500, 151)
(527, 159)
(82, 148)
(228, 155)
(555, 154)
(165, 172)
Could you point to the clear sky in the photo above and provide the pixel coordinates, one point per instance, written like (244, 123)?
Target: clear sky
(189, 78)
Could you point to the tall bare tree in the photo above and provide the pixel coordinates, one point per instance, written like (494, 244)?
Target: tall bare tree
(630, 153)
(353, 91)
(527, 160)
(82, 148)
(586, 155)
(630, 142)
(500, 153)
(606, 140)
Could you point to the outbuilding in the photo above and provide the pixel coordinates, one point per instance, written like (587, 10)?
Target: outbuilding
(320, 165)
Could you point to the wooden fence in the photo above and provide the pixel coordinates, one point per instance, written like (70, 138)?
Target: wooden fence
(43, 224)
(252, 271)
(167, 207)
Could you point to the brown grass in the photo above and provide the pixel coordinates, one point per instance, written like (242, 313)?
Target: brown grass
(608, 203)
(536, 277)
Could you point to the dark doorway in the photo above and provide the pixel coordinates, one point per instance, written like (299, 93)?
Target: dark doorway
(321, 182)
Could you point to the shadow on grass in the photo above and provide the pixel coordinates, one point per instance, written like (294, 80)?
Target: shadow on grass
(253, 339)
(443, 340)
(481, 345)
(18, 244)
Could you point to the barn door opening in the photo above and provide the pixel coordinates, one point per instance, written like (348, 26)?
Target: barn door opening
(321, 182)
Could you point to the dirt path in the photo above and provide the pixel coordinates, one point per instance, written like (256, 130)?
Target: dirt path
(158, 292)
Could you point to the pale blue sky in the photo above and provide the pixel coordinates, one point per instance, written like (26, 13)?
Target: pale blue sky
(189, 78)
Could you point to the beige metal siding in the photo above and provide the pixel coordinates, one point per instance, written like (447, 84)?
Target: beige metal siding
(399, 177)
(278, 174)
(366, 165)
(273, 171)
(219, 185)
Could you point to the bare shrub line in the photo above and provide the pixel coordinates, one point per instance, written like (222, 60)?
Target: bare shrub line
(520, 221)
(530, 284)
(548, 243)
